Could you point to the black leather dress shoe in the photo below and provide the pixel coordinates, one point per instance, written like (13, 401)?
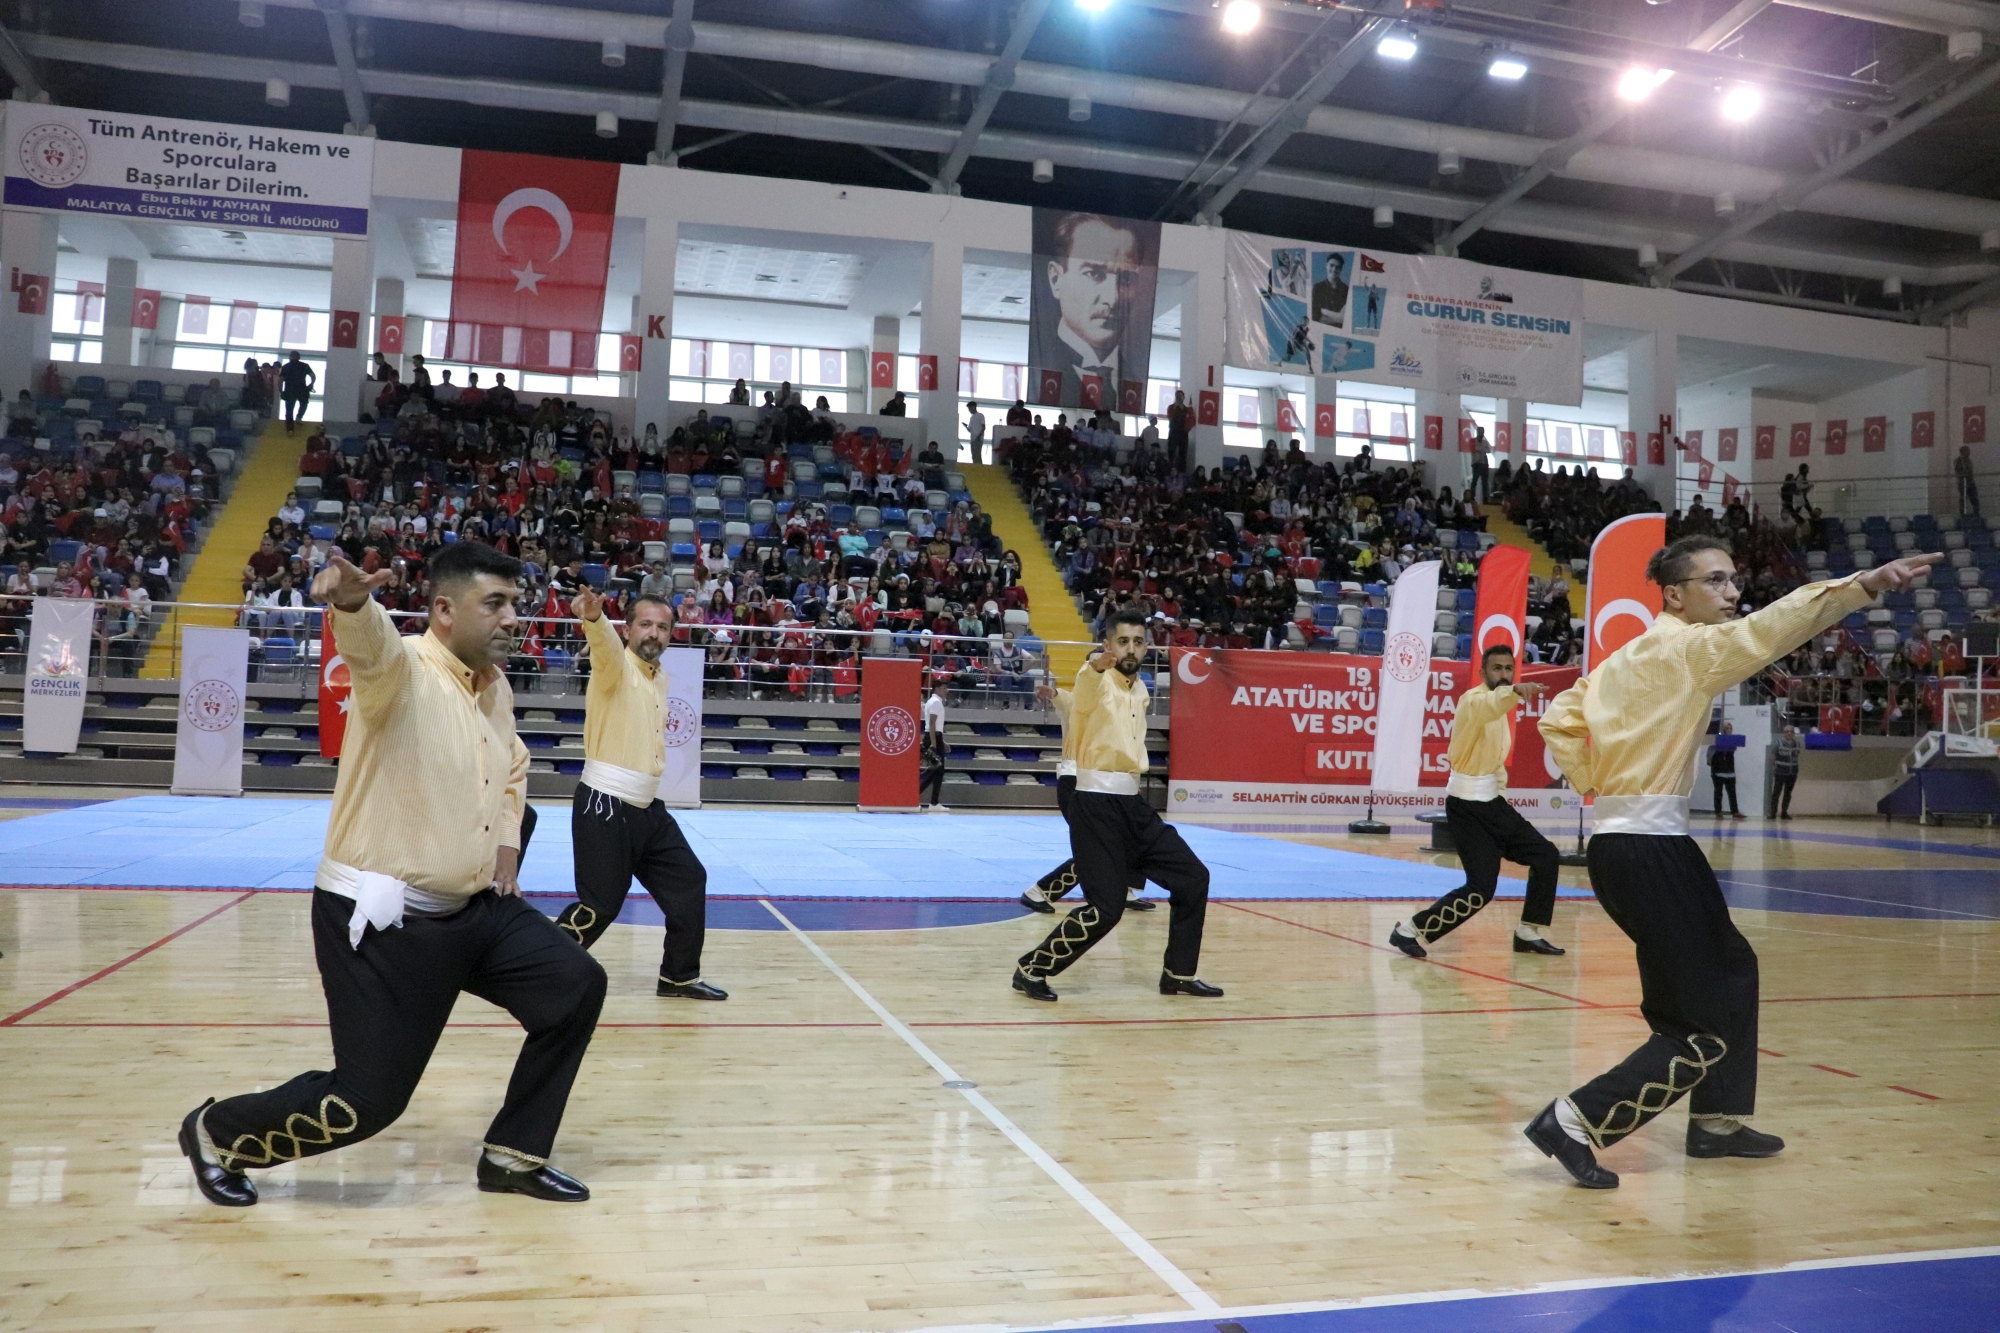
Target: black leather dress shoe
(231, 1189)
(1745, 1142)
(1536, 946)
(689, 990)
(1038, 905)
(1576, 1158)
(1033, 987)
(1409, 944)
(542, 1182)
(1141, 905)
(1171, 985)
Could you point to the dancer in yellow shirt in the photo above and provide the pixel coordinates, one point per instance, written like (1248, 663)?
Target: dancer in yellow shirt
(1629, 732)
(1046, 892)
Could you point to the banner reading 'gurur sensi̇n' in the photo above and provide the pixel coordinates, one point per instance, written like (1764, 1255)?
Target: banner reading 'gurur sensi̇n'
(1270, 730)
(192, 172)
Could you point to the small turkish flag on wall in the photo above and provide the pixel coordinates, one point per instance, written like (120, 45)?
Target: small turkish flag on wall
(294, 330)
(33, 294)
(1801, 439)
(345, 330)
(1729, 485)
(1465, 436)
(1628, 443)
(1503, 437)
(1434, 433)
(1131, 397)
(1836, 437)
(242, 321)
(1705, 473)
(926, 372)
(1725, 444)
(1974, 429)
(631, 351)
(1093, 390)
(1048, 388)
(1208, 408)
(1288, 417)
(1765, 443)
(1656, 449)
(1324, 420)
(882, 370)
(1923, 429)
(389, 335)
(145, 309)
(1874, 435)
(194, 314)
(89, 302)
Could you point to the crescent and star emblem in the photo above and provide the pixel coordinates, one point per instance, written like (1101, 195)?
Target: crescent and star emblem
(1505, 624)
(1623, 606)
(525, 277)
(1186, 668)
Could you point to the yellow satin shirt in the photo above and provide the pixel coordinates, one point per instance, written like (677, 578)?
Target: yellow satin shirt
(1633, 725)
(1106, 727)
(1482, 732)
(432, 777)
(625, 708)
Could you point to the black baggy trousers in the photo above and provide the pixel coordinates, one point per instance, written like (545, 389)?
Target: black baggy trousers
(1697, 985)
(1117, 841)
(613, 843)
(1486, 832)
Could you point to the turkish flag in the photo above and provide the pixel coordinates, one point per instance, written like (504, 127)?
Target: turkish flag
(1729, 485)
(145, 309)
(882, 370)
(345, 330)
(1093, 391)
(1132, 397)
(194, 314)
(89, 301)
(1623, 602)
(781, 364)
(1501, 611)
(1503, 437)
(1656, 449)
(294, 329)
(1691, 442)
(1874, 435)
(968, 377)
(1923, 429)
(1324, 422)
(833, 367)
(583, 349)
(1370, 264)
(926, 372)
(1434, 432)
(1288, 417)
(334, 689)
(1208, 408)
(1766, 441)
(742, 360)
(534, 241)
(1628, 447)
(33, 298)
(1465, 436)
(631, 352)
(1801, 444)
(698, 358)
(1705, 473)
(389, 335)
(1974, 429)
(1836, 437)
(242, 321)
(1725, 444)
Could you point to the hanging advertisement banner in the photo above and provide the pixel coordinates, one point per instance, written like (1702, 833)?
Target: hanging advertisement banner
(680, 780)
(1622, 602)
(1405, 679)
(1420, 321)
(891, 749)
(208, 740)
(189, 172)
(1090, 306)
(58, 668)
(1265, 729)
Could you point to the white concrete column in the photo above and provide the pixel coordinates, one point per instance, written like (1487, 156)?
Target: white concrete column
(1202, 343)
(160, 352)
(27, 245)
(944, 286)
(1653, 401)
(1445, 465)
(121, 279)
(653, 322)
(389, 301)
(885, 337)
(1514, 411)
(346, 367)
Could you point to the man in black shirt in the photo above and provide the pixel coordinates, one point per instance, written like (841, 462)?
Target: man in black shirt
(295, 382)
(1722, 771)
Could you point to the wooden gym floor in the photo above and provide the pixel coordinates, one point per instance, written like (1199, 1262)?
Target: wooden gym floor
(1345, 1124)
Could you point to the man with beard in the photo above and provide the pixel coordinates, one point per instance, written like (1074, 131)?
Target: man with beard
(1116, 836)
(619, 828)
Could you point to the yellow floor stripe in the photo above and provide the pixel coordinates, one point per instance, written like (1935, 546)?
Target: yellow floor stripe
(1540, 563)
(218, 571)
(1052, 612)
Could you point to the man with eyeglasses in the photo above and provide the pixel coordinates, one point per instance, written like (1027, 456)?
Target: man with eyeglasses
(1628, 732)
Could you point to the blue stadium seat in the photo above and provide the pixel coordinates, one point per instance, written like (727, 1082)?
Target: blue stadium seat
(1467, 601)
(1371, 642)
(595, 575)
(680, 506)
(1376, 619)
(1463, 624)
(148, 391)
(88, 386)
(1463, 649)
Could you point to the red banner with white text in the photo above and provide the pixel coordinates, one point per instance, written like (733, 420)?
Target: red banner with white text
(1273, 730)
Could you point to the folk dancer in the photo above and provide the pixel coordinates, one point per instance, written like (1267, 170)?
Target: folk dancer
(1044, 893)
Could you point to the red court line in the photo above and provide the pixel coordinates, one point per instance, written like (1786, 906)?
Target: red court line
(1452, 967)
(1897, 1087)
(102, 973)
(1831, 1070)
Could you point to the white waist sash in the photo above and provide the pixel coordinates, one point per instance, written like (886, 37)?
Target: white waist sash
(1066, 768)
(1107, 783)
(627, 784)
(1659, 816)
(379, 900)
(1468, 788)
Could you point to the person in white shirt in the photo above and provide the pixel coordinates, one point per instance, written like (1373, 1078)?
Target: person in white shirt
(291, 511)
(975, 432)
(933, 747)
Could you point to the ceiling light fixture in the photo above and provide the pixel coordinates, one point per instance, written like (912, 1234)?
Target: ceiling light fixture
(1637, 83)
(1508, 66)
(1241, 16)
(1093, 6)
(1742, 102)
(1400, 44)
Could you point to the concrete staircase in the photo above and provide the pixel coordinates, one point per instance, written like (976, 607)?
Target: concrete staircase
(1540, 563)
(1052, 612)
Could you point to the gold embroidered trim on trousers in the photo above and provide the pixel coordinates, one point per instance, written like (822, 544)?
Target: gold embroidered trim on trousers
(297, 1126)
(1644, 1107)
(516, 1154)
(1448, 915)
(1065, 943)
(579, 921)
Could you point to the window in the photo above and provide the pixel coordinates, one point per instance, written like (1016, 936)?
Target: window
(1386, 427)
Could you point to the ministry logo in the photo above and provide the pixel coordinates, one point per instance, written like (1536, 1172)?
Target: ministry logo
(891, 731)
(53, 155)
(1405, 656)
(683, 724)
(211, 705)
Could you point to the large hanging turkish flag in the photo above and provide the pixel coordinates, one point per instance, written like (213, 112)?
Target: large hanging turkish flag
(534, 246)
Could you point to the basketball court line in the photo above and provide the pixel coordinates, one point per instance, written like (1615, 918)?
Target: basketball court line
(1183, 1286)
(13, 1019)
(1464, 1296)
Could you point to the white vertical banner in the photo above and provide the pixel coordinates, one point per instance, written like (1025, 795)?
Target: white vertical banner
(58, 669)
(680, 780)
(1406, 679)
(208, 742)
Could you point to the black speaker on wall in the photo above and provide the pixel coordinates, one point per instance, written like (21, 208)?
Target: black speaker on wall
(1982, 639)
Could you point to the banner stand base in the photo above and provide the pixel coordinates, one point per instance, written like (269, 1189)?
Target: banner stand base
(201, 791)
(890, 809)
(1575, 858)
(1370, 825)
